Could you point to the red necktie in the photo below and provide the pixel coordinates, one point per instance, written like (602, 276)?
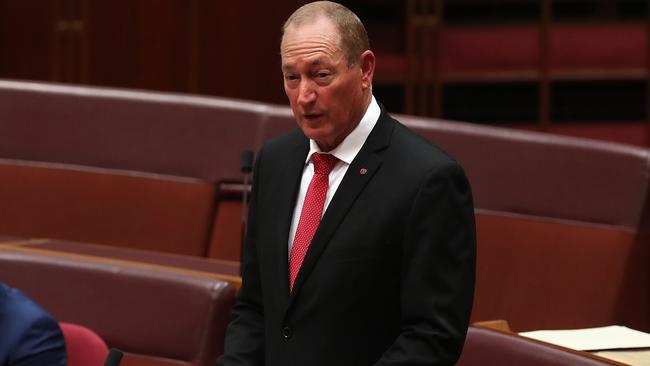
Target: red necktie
(312, 210)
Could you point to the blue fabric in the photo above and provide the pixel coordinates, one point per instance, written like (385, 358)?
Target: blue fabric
(29, 336)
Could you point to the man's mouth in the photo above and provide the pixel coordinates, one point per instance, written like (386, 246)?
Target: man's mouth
(312, 116)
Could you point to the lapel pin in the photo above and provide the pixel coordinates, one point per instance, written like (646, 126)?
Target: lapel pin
(363, 171)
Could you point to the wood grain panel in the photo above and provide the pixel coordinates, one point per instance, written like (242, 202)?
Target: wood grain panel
(240, 43)
(26, 31)
(140, 44)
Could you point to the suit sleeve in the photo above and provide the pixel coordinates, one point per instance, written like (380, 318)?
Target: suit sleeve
(42, 343)
(244, 344)
(438, 272)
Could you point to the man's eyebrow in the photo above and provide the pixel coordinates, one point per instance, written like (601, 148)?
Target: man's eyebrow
(319, 62)
(286, 67)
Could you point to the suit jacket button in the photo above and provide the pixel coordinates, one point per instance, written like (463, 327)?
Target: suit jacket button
(286, 332)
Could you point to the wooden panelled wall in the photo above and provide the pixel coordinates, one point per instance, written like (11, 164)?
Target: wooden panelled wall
(213, 47)
(231, 48)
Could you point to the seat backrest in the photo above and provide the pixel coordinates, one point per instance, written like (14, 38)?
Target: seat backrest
(226, 238)
(149, 310)
(84, 347)
(543, 175)
(106, 206)
(491, 347)
(228, 269)
(548, 207)
(163, 133)
(558, 219)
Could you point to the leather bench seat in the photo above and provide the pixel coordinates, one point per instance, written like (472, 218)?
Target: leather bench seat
(163, 133)
(159, 315)
(492, 347)
(512, 48)
(116, 207)
(226, 270)
(563, 224)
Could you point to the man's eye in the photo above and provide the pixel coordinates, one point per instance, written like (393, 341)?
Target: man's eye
(291, 77)
(322, 74)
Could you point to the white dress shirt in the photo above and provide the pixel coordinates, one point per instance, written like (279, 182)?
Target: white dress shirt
(346, 151)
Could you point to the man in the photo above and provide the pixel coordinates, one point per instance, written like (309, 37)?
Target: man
(29, 336)
(386, 275)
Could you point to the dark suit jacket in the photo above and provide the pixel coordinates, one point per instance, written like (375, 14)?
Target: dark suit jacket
(28, 335)
(389, 276)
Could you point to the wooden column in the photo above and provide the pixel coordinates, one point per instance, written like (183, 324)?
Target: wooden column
(409, 86)
(70, 56)
(438, 86)
(56, 47)
(545, 104)
(647, 59)
(194, 51)
(423, 94)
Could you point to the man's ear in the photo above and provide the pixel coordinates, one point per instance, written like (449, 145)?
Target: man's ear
(367, 63)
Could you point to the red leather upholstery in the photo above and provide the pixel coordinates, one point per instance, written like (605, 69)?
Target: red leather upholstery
(515, 47)
(545, 175)
(228, 270)
(541, 273)
(226, 239)
(561, 221)
(490, 347)
(84, 347)
(129, 209)
(149, 310)
(121, 129)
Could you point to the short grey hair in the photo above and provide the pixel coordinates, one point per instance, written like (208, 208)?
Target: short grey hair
(353, 37)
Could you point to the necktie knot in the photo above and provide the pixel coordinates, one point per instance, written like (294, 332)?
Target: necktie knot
(323, 163)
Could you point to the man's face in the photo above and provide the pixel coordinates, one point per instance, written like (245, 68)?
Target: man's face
(328, 97)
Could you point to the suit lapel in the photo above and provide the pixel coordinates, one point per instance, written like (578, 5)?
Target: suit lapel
(290, 173)
(369, 159)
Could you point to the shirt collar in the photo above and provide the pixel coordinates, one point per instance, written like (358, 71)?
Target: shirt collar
(350, 146)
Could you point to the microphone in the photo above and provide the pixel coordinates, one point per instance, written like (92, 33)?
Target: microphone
(246, 164)
(246, 167)
(114, 357)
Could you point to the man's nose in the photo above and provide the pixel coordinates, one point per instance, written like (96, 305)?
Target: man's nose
(307, 93)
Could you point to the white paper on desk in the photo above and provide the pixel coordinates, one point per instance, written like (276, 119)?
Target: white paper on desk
(592, 339)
